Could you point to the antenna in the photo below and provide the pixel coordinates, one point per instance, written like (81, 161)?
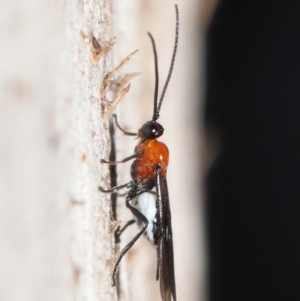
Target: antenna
(156, 110)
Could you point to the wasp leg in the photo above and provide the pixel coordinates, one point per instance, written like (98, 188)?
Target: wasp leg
(122, 161)
(119, 127)
(116, 188)
(144, 220)
(121, 230)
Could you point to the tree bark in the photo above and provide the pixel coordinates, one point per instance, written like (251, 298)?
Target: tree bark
(85, 142)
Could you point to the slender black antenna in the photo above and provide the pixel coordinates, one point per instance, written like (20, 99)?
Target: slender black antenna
(155, 111)
(171, 66)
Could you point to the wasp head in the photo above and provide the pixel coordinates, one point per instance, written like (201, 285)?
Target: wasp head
(150, 130)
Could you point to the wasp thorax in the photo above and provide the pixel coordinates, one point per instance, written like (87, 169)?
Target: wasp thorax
(151, 130)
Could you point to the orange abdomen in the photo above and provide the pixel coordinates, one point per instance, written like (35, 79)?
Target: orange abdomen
(155, 153)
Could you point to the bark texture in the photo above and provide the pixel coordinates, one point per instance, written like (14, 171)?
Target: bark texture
(85, 141)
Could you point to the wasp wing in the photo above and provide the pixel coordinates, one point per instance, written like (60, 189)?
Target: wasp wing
(165, 254)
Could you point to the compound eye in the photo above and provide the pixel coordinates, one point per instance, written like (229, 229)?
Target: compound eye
(151, 130)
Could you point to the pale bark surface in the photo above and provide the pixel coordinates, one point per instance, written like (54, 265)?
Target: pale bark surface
(56, 240)
(84, 142)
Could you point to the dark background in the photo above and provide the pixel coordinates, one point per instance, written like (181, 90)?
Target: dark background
(253, 100)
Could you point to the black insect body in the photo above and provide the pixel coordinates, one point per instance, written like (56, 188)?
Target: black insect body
(151, 209)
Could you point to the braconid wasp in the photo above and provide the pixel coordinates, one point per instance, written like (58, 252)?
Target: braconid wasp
(150, 209)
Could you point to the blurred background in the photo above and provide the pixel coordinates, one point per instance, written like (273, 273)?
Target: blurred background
(252, 102)
(231, 124)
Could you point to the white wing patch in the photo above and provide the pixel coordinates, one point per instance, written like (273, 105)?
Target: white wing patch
(146, 204)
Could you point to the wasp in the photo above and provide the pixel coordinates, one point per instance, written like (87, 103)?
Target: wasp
(151, 209)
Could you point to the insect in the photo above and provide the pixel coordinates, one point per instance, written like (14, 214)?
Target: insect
(151, 209)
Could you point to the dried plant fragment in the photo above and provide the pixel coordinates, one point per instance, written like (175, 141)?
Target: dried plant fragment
(115, 102)
(98, 50)
(117, 84)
